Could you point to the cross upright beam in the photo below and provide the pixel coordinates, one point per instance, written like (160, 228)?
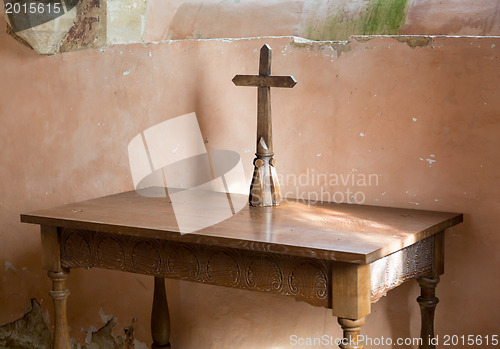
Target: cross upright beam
(264, 190)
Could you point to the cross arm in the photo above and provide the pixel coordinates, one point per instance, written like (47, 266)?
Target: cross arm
(264, 81)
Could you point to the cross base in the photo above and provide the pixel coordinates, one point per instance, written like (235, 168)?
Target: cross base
(265, 188)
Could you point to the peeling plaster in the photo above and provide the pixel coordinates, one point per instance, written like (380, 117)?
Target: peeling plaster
(104, 317)
(31, 332)
(337, 48)
(88, 337)
(412, 41)
(329, 48)
(10, 266)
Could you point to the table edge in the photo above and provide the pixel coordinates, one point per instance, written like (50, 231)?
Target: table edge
(338, 256)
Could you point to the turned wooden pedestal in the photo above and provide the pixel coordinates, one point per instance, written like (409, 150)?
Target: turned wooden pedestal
(328, 255)
(160, 318)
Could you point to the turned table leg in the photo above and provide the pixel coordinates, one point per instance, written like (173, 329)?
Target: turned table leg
(51, 261)
(160, 319)
(428, 299)
(427, 302)
(59, 294)
(352, 337)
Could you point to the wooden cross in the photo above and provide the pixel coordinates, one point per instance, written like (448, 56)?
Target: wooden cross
(264, 190)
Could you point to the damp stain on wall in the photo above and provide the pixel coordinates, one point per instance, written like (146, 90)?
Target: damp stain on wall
(377, 17)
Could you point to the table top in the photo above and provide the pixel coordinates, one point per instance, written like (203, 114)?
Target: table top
(341, 232)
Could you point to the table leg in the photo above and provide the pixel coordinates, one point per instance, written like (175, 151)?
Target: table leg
(160, 319)
(427, 302)
(352, 329)
(59, 294)
(351, 300)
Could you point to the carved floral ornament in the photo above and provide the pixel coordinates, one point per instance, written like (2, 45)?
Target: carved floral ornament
(304, 278)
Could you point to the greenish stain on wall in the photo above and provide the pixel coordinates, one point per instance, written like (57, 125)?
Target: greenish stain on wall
(378, 17)
(384, 17)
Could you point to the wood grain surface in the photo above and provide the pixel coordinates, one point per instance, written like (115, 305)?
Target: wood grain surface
(341, 232)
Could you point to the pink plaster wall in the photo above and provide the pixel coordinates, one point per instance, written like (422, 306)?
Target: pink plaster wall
(381, 108)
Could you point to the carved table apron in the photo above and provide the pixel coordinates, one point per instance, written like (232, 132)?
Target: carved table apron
(337, 256)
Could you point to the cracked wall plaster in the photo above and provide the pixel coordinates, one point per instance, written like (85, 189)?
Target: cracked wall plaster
(31, 332)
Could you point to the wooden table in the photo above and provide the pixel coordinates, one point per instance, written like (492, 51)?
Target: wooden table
(338, 256)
